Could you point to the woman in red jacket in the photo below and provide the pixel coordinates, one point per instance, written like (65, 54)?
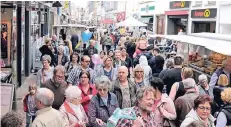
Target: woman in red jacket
(88, 90)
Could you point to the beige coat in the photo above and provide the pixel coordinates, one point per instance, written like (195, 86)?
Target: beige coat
(48, 117)
(71, 117)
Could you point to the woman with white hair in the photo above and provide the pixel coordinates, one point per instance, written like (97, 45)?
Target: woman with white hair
(103, 104)
(204, 87)
(61, 58)
(138, 76)
(46, 72)
(72, 110)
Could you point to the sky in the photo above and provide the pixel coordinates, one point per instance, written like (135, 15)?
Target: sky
(80, 3)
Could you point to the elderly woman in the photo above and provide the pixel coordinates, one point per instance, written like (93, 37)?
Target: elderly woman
(103, 104)
(201, 112)
(61, 57)
(72, 110)
(46, 72)
(74, 62)
(108, 69)
(88, 90)
(204, 87)
(163, 106)
(138, 76)
(223, 117)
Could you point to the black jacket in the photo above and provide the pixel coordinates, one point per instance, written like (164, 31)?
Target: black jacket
(46, 51)
(118, 92)
(88, 52)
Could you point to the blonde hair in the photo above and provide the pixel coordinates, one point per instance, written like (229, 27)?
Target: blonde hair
(226, 96)
(47, 40)
(187, 72)
(32, 86)
(223, 80)
(105, 59)
(138, 67)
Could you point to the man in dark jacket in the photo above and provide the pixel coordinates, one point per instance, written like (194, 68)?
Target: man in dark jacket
(145, 53)
(124, 89)
(74, 40)
(173, 75)
(90, 50)
(156, 62)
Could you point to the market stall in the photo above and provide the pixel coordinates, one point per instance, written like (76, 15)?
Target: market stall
(202, 51)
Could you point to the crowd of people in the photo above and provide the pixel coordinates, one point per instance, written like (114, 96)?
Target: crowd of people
(74, 91)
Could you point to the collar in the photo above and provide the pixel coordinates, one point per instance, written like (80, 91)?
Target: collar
(41, 111)
(91, 87)
(110, 101)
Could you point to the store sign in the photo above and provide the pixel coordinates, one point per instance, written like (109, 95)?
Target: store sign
(179, 4)
(204, 13)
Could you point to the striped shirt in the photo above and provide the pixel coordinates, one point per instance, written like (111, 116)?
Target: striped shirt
(74, 78)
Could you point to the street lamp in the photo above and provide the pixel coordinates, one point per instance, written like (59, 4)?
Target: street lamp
(57, 4)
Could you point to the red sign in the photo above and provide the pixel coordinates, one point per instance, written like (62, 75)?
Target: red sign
(120, 16)
(185, 12)
(107, 21)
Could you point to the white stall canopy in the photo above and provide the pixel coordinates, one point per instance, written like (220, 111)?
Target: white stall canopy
(215, 42)
(130, 21)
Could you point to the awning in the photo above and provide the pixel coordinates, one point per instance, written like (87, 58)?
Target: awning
(220, 44)
(181, 12)
(130, 21)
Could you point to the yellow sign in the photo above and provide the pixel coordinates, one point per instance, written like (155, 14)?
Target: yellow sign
(207, 13)
(182, 3)
(66, 4)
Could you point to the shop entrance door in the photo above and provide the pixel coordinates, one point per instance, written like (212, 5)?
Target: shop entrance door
(204, 27)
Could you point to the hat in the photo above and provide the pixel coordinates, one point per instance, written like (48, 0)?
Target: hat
(189, 83)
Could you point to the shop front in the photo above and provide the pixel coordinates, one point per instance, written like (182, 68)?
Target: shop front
(177, 17)
(147, 14)
(204, 20)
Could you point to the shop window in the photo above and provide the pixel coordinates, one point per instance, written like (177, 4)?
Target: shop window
(197, 3)
(211, 2)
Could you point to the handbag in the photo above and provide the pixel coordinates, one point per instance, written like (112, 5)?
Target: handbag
(168, 123)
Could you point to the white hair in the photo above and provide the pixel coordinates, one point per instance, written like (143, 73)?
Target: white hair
(46, 96)
(73, 92)
(202, 78)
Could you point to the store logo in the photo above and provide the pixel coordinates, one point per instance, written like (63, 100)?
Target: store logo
(207, 13)
(179, 4)
(182, 4)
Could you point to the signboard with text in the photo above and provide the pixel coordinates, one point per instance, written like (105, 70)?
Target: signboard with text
(179, 4)
(204, 13)
(7, 91)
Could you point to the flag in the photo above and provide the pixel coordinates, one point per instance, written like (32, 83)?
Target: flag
(79, 43)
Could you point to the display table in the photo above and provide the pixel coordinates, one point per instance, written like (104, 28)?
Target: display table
(5, 74)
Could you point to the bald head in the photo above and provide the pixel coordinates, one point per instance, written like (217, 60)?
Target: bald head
(45, 96)
(54, 37)
(123, 73)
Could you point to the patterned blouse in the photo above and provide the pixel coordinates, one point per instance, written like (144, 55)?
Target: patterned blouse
(129, 123)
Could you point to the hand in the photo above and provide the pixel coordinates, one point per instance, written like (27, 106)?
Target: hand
(138, 122)
(100, 122)
(90, 96)
(161, 109)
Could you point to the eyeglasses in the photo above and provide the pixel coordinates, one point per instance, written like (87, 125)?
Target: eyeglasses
(87, 61)
(83, 77)
(204, 108)
(102, 89)
(139, 71)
